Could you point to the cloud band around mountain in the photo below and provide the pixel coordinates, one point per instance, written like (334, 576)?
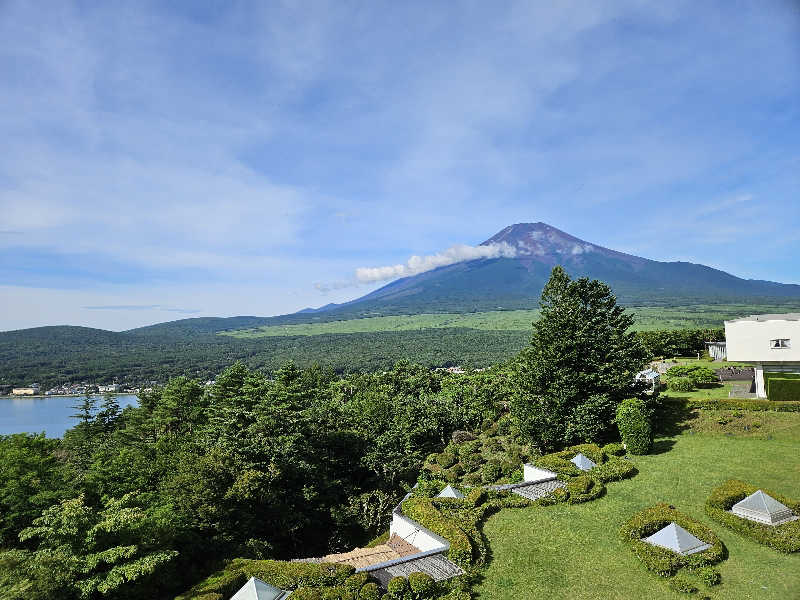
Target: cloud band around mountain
(419, 264)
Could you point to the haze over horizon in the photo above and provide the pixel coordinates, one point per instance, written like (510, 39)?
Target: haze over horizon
(202, 159)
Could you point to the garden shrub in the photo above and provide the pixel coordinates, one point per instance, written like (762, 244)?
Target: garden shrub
(682, 584)
(428, 488)
(680, 384)
(460, 437)
(468, 448)
(504, 425)
(614, 449)
(476, 497)
(699, 375)
(397, 587)
(634, 426)
(422, 585)
(583, 489)
(446, 460)
(285, 575)
(490, 472)
(370, 591)
(473, 478)
(471, 462)
(784, 538)
(560, 462)
(783, 389)
(709, 576)
(426, 514)
(492, 445)
(660, 560)
(356, 582)
(732, 403)
(615, 469)
(507, 467)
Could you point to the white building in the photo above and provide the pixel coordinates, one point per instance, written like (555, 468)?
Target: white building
(770, 342)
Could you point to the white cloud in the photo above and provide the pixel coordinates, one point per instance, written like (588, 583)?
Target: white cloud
(421, 264)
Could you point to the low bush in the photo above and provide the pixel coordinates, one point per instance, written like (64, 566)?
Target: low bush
(428, 488)
(584, 489)
(490, 472)
(633, 423)
(660, 560)
(460, 437)
(784, 538)
(468, 448)
(709, 576)
(698, 374)
(560, 462)
(471, 462)
(682, 584)
(680, 384)
(285, 575)
(397, 587)
(615, 469)
(446, 460)
(614, 449)
(356, 582)
(370, 591)
(422, 585)
(726, 404)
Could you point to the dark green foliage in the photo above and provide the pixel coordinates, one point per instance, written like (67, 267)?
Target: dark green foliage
(560, 462)
(490, 472)
(660, 560)
(445, 460)
(615, 469)
(784, 538)
(679, 342)
(285, 575)
(633, 422)
(783, 389)
(580, 364)
(370, 591)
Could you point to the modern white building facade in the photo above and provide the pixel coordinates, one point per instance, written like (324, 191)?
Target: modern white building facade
(770, 342)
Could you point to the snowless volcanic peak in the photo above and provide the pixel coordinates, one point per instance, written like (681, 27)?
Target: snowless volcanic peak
(541, 239)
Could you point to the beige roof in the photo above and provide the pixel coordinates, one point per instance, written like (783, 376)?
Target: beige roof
(395, 547)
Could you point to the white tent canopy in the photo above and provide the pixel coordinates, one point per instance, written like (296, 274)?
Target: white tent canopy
(676, 538)
(583, 462)
(255, 589)
(450, 492)
(763, 508)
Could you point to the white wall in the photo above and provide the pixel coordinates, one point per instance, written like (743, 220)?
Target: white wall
(416, 534)
(533, 474)
(748, 341)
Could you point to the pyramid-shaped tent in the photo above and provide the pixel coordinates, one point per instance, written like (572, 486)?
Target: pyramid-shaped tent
(255, 589)
(763, 508)
(450, 492)
(584, 463)
(676, 538)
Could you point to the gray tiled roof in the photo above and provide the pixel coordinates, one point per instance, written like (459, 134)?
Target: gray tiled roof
(436, 565)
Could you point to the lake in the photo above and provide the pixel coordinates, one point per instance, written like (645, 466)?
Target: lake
(50, 414)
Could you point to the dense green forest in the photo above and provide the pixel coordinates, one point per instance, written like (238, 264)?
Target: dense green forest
(202, 348)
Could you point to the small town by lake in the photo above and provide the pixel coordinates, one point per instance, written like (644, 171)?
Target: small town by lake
(51, 414)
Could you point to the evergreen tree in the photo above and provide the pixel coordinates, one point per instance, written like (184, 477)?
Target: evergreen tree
(580, 364)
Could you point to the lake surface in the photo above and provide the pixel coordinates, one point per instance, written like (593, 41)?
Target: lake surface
(50, 414)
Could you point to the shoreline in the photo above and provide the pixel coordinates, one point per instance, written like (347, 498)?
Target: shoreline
(98, 395)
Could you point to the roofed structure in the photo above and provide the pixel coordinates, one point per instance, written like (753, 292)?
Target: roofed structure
(763, 508)
(676, 538)
(255, 589)
(583, 462)
(361, 558)
(437, 566)
(450, 492)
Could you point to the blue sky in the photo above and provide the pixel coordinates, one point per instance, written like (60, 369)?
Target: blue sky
(163, 160)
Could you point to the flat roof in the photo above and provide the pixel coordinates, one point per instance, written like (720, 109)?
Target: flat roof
(776, 317)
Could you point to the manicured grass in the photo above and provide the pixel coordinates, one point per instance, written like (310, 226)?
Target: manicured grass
(647, 318)
(573, 552)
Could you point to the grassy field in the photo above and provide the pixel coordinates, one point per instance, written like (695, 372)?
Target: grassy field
(567, 552)
(647, 318)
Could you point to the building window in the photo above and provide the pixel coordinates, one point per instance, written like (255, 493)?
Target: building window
(780, 344)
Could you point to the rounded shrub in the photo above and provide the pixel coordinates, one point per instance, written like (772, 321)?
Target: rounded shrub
(614, 449)
(422, 586)
(490, 472)
(682, 584)
(370, 591)
(710, 577)
(446, 460)
(504, 426)
(356, 581)
(461, 437)
(397, 587)
(680, 384)
(634, 426)
(472, 461)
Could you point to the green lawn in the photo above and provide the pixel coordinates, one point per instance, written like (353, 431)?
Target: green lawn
(647, 318)
(573, 552)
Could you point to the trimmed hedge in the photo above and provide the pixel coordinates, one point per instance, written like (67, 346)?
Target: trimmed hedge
(614, 449)
(560, 462)
(615, 469)
(584, 489)
(285, 575)
(634, 426)
(660, 560)
(783, 389)
(784, 538)
(423, 511)
(680, 384)
(422, 586)
(732, 403)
